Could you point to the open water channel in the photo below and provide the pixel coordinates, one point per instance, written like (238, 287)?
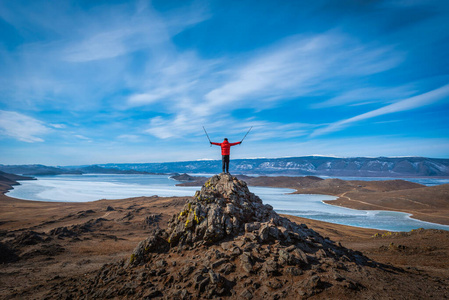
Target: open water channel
(91, 187)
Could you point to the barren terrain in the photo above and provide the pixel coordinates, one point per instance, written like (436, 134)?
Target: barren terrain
(45, 244)
(45, 254)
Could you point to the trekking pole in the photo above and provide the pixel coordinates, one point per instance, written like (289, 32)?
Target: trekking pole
(246, 134)
(207, 136)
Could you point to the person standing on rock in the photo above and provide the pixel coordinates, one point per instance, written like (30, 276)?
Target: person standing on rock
(225, 152)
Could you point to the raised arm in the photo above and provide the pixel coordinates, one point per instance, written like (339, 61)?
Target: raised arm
(218, 144)
(233, 144)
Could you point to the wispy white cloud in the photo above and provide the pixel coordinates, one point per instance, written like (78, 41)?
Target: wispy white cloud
(186, 88)
(182, 124)
(22, 127)
(103, 45)
(146, 98)
(302, 66)
(130, 30)
(402, 105)
(361, 96)
(169, 90)
(110, 38)
(84, 64)
(58, 126)
(82, 137)
(188, 128)
(202, 92)
(130, 137)
(175, 80)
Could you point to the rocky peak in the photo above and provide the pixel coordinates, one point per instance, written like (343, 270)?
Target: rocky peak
(225, 210)
(226, 243)
(221, 209)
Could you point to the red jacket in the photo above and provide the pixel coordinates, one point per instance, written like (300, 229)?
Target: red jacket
(226, 147)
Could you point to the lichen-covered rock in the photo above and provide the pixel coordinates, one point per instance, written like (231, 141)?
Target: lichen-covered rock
(155, 243)
(223, 208)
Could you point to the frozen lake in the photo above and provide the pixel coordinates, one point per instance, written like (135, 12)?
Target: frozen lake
(91, 187)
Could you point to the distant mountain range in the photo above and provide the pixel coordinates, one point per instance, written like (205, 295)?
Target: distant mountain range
(46, 170)
(308, 165)
(36, 170)
(108, 170)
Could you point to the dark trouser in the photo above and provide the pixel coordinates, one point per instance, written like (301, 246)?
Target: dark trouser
(225, 163)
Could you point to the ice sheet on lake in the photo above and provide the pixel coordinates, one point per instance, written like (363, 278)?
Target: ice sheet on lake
(77, 188)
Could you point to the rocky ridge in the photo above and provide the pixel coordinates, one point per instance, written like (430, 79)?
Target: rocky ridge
(226, 243)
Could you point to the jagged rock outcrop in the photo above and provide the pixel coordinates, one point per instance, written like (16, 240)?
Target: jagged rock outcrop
(221, 209)
(225, 209)
(227, 243)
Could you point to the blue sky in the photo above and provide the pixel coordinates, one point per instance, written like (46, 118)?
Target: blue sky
(84, 82)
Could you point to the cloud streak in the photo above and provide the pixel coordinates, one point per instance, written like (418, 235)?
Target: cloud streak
(21, 127)
(300, 66)
(84, 64)
(402, 105)
(368, 95)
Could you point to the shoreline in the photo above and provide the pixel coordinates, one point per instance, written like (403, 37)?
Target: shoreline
(411, 214)
(420, 216)
(352, 194)
(408, 215)
(3, 196)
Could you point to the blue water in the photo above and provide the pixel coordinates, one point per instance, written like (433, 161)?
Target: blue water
(91, 187)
